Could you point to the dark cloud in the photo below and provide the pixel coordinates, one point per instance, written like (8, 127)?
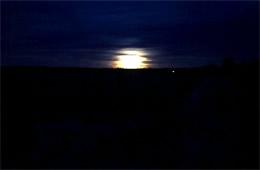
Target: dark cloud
(89, 33)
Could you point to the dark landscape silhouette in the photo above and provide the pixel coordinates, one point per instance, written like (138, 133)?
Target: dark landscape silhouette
(203, 117)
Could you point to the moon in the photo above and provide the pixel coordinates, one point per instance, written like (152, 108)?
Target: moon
(131, 59)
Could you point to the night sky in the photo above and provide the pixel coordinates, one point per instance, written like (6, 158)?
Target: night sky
(90, 34)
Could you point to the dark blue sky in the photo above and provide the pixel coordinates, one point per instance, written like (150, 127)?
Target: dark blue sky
(88, 34)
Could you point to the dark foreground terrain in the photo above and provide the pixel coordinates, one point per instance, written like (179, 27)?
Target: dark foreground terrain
(113, 118)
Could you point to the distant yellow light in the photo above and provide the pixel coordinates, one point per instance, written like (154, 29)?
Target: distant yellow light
(173, 71)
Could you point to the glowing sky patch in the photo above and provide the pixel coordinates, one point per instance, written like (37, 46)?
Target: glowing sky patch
(131, 59)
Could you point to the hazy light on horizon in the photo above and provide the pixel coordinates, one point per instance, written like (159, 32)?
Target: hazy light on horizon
(131, 59)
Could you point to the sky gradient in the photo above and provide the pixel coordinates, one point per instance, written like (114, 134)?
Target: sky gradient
(91, 34)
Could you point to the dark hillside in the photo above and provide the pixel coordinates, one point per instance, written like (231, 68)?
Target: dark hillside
(114, 118)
